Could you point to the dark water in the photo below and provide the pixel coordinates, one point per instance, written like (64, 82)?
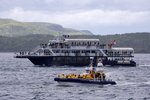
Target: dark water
(21, 80)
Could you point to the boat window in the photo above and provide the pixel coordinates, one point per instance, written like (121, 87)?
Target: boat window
(62, 51)
(88, 51)
(93, 51)
(57, 51)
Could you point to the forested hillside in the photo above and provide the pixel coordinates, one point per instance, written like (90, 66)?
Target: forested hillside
(12, 28)
(139, 41)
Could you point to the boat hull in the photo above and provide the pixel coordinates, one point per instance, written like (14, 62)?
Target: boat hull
(70, 60)
(100, 82)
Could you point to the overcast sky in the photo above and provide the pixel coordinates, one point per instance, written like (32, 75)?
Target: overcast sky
(97, 16)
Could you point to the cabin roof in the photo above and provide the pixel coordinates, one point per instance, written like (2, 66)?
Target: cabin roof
(124, 49)
(82, 40)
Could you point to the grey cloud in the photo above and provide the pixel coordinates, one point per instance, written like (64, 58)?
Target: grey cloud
(69, 5)
(98, 16)
(25, 4)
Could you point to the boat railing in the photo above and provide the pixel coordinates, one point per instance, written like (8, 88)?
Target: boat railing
(32, 54)
(85, 47)
(102, 52)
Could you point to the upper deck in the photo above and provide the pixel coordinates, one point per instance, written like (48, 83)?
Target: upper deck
(76, 44)
(79, 47)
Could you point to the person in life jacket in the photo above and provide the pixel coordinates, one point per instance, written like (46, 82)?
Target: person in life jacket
(99, 62)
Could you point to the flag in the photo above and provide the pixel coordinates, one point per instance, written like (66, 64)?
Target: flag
(114, 42)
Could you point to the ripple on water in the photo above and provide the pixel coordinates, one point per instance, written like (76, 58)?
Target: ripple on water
(21, 80)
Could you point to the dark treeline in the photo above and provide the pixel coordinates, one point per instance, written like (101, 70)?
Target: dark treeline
(139, 41)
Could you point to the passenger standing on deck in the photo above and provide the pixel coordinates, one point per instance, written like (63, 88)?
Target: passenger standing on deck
(99, 63)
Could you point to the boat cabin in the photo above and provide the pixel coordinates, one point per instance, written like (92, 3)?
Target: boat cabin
(123, 54)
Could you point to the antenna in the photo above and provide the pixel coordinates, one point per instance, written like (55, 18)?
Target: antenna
(91, 60)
